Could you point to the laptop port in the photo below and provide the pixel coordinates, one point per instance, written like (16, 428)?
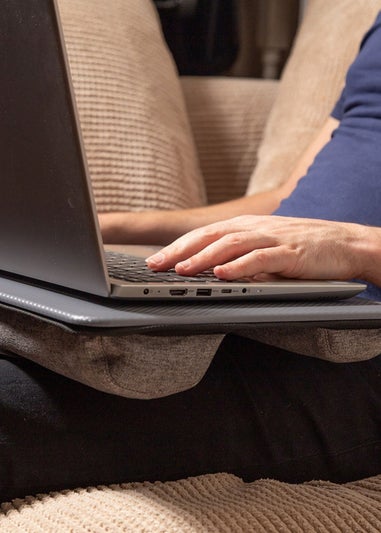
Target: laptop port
(226, 291)
(203, 292)
(178, 292)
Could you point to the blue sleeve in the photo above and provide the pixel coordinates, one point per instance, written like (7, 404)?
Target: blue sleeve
(338, 110)
(344, 181)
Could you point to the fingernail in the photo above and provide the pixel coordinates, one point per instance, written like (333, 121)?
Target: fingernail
(184, 264)
(156, 259)
(220, 271)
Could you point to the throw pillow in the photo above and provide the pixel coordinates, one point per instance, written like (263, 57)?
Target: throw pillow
(136, 133)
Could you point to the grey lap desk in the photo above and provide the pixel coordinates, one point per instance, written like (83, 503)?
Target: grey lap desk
(96, 314)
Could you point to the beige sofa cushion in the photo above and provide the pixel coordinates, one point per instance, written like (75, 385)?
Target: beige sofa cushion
(137, 137)
(327, 43)
(228, 117)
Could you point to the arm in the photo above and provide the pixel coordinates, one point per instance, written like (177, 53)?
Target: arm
(161, 227)
(307, 246)
(252, 246)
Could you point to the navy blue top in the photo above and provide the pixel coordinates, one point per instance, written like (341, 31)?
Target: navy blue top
(344, 181)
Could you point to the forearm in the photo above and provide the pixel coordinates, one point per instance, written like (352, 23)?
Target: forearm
(258, 204)
(162, 227)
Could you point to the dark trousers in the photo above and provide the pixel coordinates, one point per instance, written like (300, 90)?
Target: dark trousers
(258, 412)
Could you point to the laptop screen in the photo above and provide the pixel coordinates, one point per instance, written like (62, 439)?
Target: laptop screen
(47, 226)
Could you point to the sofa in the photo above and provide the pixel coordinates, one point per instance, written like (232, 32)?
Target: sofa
(156, 141)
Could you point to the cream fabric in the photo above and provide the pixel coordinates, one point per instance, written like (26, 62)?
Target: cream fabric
(219, 503)
(228, 117)
(137, 137)
(327, 43)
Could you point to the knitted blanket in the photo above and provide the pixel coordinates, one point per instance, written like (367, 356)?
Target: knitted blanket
(216, 503)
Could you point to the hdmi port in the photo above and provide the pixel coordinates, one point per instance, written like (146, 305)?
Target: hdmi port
(178, 292)
(203, 292)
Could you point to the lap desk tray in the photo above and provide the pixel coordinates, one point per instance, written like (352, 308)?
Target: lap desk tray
(149, 350)
(96, 314)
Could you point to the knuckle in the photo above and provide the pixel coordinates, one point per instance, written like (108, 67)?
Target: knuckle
(261, 257)
(178, 248)
(209, 233)
(233, 240)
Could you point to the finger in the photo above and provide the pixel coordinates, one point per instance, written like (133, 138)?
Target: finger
(279, 260)
(190, 244)
(225, 249)
(182, 248)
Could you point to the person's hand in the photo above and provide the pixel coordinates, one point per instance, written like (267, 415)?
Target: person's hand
(252, 246)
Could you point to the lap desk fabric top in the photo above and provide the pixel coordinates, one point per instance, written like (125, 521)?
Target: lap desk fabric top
(147, 350)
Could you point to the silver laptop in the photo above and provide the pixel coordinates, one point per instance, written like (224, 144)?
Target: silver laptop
(49, 231)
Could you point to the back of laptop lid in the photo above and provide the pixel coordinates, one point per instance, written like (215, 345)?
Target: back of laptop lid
(47, 227)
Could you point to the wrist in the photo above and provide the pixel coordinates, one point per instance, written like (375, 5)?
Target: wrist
(371, 255)
(110, 227)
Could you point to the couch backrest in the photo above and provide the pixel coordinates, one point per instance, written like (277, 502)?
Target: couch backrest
(137, 137)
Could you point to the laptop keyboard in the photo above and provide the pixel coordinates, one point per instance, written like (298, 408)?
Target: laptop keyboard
(134, 269)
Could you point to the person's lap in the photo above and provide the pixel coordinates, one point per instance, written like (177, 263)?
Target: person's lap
(258, 412)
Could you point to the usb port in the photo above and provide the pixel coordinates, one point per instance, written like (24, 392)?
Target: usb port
(178, 292)
(226, 291)
(203, 292)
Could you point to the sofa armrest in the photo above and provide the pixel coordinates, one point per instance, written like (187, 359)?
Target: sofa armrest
(227, 116)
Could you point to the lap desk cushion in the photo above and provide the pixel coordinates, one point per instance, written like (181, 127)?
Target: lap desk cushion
(150, 350)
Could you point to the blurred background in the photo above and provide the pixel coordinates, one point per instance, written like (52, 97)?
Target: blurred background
(250, 38)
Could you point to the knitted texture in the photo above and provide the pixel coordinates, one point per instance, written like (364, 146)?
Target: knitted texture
(136, 133)
(327, 43)
(228, 117)
(218, 503)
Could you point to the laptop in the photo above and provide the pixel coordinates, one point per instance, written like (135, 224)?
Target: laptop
(48, 224)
